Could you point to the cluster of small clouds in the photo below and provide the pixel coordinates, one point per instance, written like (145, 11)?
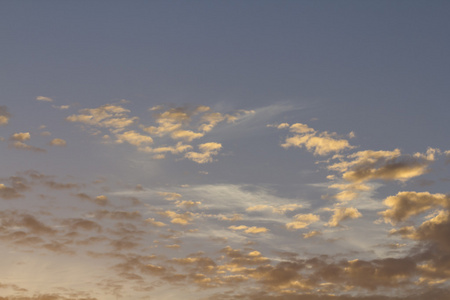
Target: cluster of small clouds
(319, 143)
(356, 170)
(18, 141)
(179, 125)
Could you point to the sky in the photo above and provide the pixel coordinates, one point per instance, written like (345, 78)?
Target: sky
(226, 150)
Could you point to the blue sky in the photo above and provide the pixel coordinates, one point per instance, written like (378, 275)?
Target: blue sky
(224, 150)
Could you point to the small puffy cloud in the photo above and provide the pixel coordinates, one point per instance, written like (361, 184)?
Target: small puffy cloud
(58, 142)
(311, 234)
(45, 99)
(342, 214)
(320, 143)
(20, 136)
(297, 128)
(186, 135)
(302, 221)
(407, 204)
(349, 191)
(188, 203)
(252, 229)
(133, 138)
(207, 151)
(210, 120)
(180, 219)
(4, 115)
(155, 223)
(170, 195)
(157, 107)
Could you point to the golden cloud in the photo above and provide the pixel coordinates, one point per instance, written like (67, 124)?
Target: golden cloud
(302, 221)
(341, 214)
(322, 143)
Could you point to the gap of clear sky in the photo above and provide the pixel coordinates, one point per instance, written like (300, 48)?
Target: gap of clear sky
(270, 150)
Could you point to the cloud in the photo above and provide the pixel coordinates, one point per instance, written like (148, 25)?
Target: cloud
(238, 258)
(84, 224)
(8, 193)
(189, 123)
(23, 146)
(62, 107)
(320, 143)
(341, 214)
(12, 220)
(60, 186)
(210, 120)
(180, 219)
(113, 117)
(117, 215)
(436, 230)
(53, 296)
(359, 168)
(4, 115)
(170, 195)
(311, 234)
(207, 151)
(155, 223)
(302, 221)
(407, 204)
(20, 136)
(178, 124)
(178, 148)
(234, 217)
(18, 140)
(101, 200)
(45, 99)
(134, 138)
(252, 229)
(58, 142)
(188, 204)
(187, 135)
(349, 191)
(387, 165)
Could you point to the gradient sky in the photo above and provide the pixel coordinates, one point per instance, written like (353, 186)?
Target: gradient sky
(274, 150)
